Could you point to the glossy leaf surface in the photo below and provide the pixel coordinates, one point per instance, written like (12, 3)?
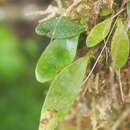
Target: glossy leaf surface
(59, 28)
(120, 46)
(57, 55)
(98, 33)
(62, 93)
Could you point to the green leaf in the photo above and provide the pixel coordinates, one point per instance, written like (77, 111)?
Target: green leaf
(62, 93)
(128, 7)
(98, 33)
(58, 54)
(105, 12)
(59, 28)
(120, 46)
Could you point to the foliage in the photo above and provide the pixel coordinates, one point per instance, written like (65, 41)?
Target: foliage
(59, 53)
(62, 92)
(20, 95)
(67, 75)
(59, 28)
(120, 46)
(98, 33)
(105, 12)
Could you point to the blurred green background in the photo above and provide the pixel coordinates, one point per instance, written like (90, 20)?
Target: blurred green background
(21, 96)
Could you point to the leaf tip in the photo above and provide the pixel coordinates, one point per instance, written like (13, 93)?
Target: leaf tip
(40, 78)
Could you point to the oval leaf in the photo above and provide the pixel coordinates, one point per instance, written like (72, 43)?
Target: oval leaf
(62, 93)
(58, 54)
(98, 33)
(120, 46)
(59, 28)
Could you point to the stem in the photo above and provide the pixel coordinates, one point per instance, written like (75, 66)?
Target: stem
(59, 3)
(74, 5)
(120, 84)
(124, 115)
(105, 44)
(120, 11)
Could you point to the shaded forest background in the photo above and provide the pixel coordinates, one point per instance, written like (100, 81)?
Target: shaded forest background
(21, 96)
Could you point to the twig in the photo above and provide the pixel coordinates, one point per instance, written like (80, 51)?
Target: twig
(105, 44)
(100, 54)
(127, 23)
(75, 4)
(123, 3)
(59, 3)
(120, 84)
(112, 75)
(106, 52)
(121, 118)
(36, 13)
(120, 11)
(68, 10)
